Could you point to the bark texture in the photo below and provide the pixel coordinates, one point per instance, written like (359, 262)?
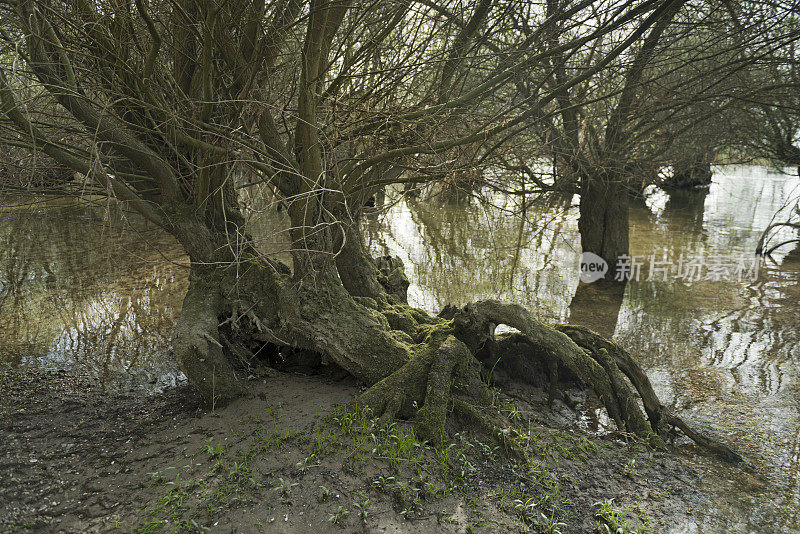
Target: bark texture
(198, 348)
(417, 367)
(603, 222)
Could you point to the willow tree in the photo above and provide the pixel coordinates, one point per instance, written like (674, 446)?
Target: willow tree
(668, 101)
(770, 126)
(170, 103)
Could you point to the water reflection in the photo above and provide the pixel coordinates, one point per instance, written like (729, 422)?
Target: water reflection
(456, 254)
(724, 353)
(597, 306)
(86, 287)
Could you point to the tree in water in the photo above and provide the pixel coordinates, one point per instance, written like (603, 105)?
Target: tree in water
(667, 104)
(169, 104)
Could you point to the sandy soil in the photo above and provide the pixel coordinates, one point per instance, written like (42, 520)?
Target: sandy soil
(74, 458)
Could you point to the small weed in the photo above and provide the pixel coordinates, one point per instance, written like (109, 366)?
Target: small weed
(283, 487)
(630, 468)
(325, 494)
(212, 450)
(338, 516)
(614, 520)
(361, 506)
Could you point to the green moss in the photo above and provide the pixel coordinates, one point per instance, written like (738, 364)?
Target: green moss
(415, 322)
(400, 318)
(370, 307)
(367, 302)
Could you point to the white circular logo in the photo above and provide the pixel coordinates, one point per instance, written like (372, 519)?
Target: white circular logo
(593, 267)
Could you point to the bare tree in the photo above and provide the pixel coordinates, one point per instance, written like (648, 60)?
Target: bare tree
(171, 102)
(669, 101)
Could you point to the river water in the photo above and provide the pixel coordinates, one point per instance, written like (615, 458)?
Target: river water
(716, 330)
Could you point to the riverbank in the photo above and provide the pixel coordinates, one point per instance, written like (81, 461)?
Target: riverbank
(77, 459)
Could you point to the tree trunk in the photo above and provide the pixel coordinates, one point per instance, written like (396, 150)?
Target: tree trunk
(238, 301)
(690, 174)
(603, 222)
(417, 366)
(197, 344)
(380, 279)
(357, 270)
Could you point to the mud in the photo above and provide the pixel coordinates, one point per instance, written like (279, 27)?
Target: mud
(75, 458)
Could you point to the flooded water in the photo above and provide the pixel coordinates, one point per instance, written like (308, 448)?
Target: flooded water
(716, 332)
(84, 288)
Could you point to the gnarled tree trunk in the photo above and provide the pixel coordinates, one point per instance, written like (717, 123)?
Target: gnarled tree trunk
(417, 366)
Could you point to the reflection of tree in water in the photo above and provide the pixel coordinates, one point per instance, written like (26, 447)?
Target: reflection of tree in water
(739, 364)
(596, 306)
(89, 294)
(715, 349)
(742, 327)
(463, 253)
(685, 209)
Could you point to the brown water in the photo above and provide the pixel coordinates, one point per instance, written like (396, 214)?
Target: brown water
(82, 289)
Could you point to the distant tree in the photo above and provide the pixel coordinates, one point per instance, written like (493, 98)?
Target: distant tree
(669, 101)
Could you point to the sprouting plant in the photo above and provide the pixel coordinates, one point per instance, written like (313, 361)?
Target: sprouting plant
(630, 467)
(326, 494)
(159, 476)
(362, 506)
(303, 464)
(283, 487)
(213, 450)
(614, 520)
(338, 515)
(383, 483)
(550, 524)
(526, 508)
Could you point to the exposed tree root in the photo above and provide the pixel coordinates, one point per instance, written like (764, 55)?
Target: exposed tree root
(442, 364)
(661, 418)
(478, 320)
(432, 383)
(417, 367)
(423, 387)
(599, 363)
(526, 362)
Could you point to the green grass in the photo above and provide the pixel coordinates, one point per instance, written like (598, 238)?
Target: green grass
(186, 504)
(612, 519)
(392, 460)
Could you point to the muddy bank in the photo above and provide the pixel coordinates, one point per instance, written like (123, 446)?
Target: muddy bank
(64, 441)
(76, 459)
